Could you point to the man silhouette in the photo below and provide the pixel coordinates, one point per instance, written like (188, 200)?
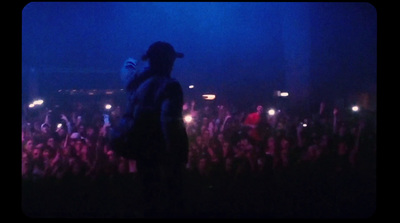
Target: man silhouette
(159, 140)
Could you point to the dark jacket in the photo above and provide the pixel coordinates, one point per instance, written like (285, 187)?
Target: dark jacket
(155, 103)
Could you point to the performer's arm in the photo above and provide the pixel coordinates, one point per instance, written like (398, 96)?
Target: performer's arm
(128, 72)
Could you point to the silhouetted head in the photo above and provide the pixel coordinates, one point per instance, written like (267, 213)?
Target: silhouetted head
(260, 109)
(161, 56)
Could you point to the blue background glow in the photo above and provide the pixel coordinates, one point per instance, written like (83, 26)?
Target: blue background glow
(235, 49)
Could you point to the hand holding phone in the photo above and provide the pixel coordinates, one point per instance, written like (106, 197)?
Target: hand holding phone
(106, 119)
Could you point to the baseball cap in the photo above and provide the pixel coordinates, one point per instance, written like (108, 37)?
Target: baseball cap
(161, 49)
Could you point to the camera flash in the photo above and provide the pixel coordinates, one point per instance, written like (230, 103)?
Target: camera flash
(108, 106)
(188, 118)
(271, 112)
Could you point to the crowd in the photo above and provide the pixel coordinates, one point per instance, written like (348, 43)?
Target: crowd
(240, 164)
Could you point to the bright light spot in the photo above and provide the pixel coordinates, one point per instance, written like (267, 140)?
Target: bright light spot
(59, 125)
(284, 94)
(108, 106)
(38, 102)
(271, 111)
(188, 118)
(355, 108)
(209, 96)
(191, 86)
(304, 124)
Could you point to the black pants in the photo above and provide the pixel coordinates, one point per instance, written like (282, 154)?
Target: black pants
(161, 187)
